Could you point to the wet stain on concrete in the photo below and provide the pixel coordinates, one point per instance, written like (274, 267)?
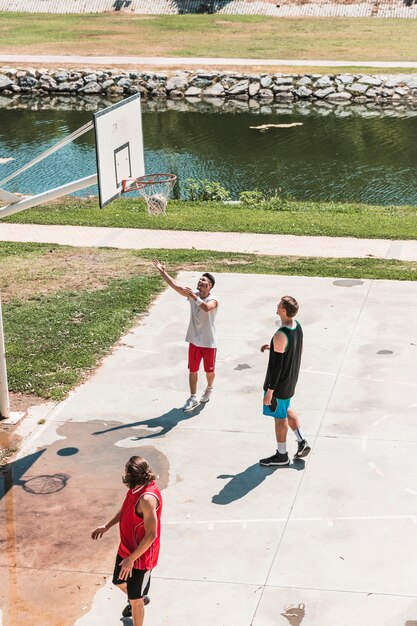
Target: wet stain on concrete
(347, 282)
(243, 366)
(50, 568)
(385, 352)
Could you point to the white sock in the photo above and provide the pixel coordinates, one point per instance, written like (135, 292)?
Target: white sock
(193, 395)
(282, 447)
(299, 434)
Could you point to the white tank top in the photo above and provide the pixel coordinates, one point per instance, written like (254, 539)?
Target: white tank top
(201, 330)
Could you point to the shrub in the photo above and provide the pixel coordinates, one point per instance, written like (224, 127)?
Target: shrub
(205, 190)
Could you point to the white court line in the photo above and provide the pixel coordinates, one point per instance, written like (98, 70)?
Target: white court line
(328, 520)
(364, 443)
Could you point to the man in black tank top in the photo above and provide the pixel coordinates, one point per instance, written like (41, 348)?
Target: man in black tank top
(281, 379)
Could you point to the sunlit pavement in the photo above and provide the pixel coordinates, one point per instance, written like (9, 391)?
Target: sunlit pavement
(331, 541)
(258, 243)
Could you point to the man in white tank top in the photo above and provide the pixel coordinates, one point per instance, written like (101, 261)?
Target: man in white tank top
(201, 333)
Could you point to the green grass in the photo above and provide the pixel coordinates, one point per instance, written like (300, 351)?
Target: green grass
(232, 36)
(54, 340)
(296, 218)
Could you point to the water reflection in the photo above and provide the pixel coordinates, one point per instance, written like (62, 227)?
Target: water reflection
(340, 152)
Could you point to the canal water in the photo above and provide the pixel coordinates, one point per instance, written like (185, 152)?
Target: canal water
(348, 153)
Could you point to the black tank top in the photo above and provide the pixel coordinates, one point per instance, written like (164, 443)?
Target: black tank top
(290, 364)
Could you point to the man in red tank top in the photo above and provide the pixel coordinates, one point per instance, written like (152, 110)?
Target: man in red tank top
(139, 522)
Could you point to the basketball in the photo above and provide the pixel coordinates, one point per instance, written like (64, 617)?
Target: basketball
(157, 204)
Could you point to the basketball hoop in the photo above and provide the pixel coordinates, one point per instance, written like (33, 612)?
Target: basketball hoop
(154, 188)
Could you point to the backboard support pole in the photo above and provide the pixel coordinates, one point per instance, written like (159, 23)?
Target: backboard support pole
(4, 388)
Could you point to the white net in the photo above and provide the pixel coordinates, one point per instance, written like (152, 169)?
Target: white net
(154, 189)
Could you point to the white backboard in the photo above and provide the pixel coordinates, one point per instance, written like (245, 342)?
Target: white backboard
(119, 146)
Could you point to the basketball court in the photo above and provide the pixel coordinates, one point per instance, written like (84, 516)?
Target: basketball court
(331, 541)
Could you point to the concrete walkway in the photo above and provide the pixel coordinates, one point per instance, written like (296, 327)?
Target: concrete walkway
(198, 61)
(135, 238)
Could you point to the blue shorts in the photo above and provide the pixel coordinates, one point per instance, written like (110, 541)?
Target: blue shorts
(280, 412)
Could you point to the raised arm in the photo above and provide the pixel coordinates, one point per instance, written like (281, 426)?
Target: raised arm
(169, 280)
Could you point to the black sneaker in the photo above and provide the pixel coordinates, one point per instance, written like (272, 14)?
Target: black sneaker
(127, 611)
(276, 459)
(302, 450)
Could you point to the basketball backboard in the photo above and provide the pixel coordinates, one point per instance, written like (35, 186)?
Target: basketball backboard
(119, 146)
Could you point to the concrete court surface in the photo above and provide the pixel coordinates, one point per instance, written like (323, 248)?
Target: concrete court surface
(329, 542)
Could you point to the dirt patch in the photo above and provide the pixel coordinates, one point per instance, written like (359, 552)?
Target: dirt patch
(22, 402)
(86, 269)
(61, 493)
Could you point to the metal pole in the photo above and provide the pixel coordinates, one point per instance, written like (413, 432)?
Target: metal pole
(46, 196)
(4, 389)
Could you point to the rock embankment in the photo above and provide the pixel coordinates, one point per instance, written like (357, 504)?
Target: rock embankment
(200, 84)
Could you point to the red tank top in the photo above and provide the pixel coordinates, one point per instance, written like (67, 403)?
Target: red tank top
(132, 527)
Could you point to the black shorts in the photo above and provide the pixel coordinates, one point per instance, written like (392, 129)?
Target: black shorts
(137, 584)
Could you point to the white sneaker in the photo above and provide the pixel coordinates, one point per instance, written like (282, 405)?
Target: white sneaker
(191, 403)
(206, 395)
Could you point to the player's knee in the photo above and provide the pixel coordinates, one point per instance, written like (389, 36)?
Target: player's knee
(136, 601)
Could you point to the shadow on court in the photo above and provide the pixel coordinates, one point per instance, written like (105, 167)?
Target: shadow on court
(166, 423)
(241, 484)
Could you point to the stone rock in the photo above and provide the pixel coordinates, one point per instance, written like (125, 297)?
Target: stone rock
(345, 78)
(214, 91)
(387, 93)
(200, 82)
(134, 75)
(75, 76)
(357, 88)
(323, 93)
(402, 91)
(254, 87)
(240, 88)
(176, 94)
(15, 88)
(114, 91)
(305, 80)
(265, 94)
(283, 80)
(20, 73)
(61, 77)
(412, 83)
(282, 88)
(177, 82)
(391, 82)
(107, 83)
(284, 95)
(124, 82)
(193, 91)
(5, 82)
(372, 93)
(340, 96)
(160, 76)
(94, 87)
(324, 81)
(266, 82)
(370, 80)
(90, 78)
(303, 92)
(27, 82)
(67, 86)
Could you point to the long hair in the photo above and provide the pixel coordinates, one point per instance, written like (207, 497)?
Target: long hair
(137, 472)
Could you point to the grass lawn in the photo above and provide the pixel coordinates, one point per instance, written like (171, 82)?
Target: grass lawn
(296, 218)
(232, 36)
(64, 308)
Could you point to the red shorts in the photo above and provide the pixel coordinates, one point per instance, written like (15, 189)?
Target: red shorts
(195, 354)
